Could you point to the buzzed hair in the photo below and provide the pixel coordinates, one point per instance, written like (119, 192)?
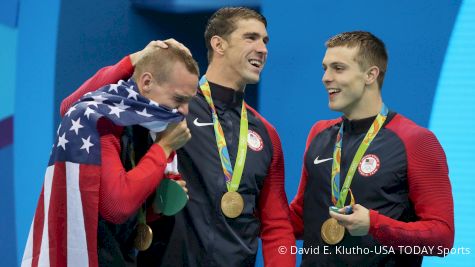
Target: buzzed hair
(160, 63)
(371, 50)
(223, 22)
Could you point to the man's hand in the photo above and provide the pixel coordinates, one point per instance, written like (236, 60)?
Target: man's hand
(356, 223)
(182, 183)
(157, 44)
(175, 136)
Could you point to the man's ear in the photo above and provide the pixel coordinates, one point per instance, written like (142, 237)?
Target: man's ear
(372, 75)
(145, 82)
(218, 44)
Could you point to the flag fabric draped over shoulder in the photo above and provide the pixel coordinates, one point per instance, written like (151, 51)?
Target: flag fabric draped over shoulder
(64, 228)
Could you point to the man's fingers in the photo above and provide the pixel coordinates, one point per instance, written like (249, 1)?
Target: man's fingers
(179, 45)
(341, 218)
(156, 44)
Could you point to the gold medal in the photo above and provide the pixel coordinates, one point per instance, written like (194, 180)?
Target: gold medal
(144, 236)
(232, 204)
(332, 232)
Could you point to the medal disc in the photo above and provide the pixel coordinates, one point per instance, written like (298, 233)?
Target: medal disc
(144, 236)
(332, 232)
(232, 204)
(170, 198)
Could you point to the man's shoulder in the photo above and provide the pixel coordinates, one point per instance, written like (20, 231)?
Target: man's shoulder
(321, 126)
(405, 127)
(270, 128)
(414, 136)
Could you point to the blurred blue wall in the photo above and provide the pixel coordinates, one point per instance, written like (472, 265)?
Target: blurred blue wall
(50, 47)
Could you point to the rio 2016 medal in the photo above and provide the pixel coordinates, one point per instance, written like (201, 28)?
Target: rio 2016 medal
(332, 232)
(232, 204)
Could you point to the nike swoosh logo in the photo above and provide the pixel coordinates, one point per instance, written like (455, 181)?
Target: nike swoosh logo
(201, 124)
(318, 161)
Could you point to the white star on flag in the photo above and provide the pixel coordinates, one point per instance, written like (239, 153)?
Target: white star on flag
(115, 110)
(121, 105)
(88, 112)
(76, 125)
(99, 99)
(132, 93)
(113, 87)
(144, 113)
(91, 103)
(86, 144)
(62, 141)
(73, 108)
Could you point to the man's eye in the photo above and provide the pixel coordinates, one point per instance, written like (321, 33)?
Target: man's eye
(180, 100)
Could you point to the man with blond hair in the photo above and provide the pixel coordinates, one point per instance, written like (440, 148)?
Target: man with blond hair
(92, 209)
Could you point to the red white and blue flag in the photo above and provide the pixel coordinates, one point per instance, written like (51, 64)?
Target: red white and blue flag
(64, 228)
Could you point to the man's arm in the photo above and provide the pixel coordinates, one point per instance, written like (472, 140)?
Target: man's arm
(121, 192)
(431, 194)
(112, 74)
(107, 75)
(297, 204)
(276, 230)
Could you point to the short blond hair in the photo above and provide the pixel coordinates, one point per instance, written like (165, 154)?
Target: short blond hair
(160, 63)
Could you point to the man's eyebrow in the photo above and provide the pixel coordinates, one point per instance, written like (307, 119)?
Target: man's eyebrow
(332, 64)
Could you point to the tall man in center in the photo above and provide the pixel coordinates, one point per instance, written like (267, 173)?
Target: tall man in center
(233, 164)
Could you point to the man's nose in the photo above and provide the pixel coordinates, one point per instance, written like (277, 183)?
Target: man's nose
(183, 109)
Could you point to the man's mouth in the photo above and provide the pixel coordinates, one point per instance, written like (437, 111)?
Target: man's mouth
(256, 63)
(333, 92)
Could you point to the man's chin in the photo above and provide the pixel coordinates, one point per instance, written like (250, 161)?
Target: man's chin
(333, 107)
(253, 79)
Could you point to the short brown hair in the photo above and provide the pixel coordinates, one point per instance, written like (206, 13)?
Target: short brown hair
(160, 63)
(371, 50)
(223, 22)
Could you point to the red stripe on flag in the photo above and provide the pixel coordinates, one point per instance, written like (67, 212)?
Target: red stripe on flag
(38, 225)
(89, 182)
(57, 217)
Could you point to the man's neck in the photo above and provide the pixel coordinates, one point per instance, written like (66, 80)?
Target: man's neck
(219, 75)
(365, 111)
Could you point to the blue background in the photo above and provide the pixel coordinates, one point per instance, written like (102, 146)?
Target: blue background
(48, 48)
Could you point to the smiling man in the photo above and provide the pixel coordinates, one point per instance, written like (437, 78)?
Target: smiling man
(372, 180)
(233, 165)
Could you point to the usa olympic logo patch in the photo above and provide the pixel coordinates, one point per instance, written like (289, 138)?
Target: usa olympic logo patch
(369, 165)
(254, 141)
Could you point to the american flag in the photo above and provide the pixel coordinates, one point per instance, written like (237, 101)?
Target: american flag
(64, 228)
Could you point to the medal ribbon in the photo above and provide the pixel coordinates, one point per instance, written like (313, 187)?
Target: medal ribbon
(232, 177)
(141, 218)
(339, 197)
(142, 213)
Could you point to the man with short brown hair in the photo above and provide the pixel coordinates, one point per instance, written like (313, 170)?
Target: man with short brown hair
(372, 180)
